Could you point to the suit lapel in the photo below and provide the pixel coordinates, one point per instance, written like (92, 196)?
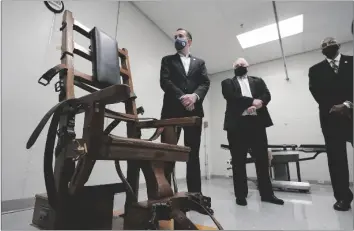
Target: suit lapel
(328, 66)
(179, 64)
(252, 85)
(342, 62)
(192, 65)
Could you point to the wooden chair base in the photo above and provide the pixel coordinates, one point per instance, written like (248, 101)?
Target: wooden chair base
(91, 209)
(141, 214)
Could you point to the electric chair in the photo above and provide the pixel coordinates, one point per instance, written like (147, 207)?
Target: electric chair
(68, 203)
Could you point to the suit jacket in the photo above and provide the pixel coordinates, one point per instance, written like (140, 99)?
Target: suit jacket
(175, 82)
(329, 89)
(236, 104)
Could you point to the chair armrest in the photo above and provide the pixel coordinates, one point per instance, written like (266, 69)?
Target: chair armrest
(120, 116)
(184, 121)
(109, 95)
(52, 72)
(156, 134)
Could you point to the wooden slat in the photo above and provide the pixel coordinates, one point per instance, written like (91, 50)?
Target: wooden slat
(118, 152)
(131, 142)
(68, 46)
(133, 167)
(117, 115)
(79, 50)
(109, 95)
(83, 75)
(137, 149)
(81, 29)
(185, 121)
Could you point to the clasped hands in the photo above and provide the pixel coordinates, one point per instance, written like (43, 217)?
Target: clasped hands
(342, 110)
(188, 101)
(257, 104)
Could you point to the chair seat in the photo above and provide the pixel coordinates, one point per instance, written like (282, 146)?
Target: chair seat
(121, 148)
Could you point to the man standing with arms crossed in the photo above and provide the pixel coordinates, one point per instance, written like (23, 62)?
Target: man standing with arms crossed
(185, 81)
(331, 85)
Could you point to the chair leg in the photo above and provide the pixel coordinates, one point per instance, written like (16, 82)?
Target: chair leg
(81, 175)
(133, 175)
(175, 187)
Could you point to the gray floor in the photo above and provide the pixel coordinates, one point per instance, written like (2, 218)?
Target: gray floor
(301, 211)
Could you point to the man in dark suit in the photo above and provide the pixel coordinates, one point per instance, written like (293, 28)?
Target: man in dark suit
(246, 120)
(331, 84)
(185, 81)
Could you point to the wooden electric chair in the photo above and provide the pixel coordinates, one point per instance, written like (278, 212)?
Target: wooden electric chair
(71, 204)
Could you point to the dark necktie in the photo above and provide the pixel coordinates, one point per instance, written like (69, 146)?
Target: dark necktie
(334, 66)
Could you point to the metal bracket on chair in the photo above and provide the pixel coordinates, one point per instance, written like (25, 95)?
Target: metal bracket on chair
(140, 110)
(204, 202)
(82, 151)
(63, 25)
(159, 211)
(59, 85)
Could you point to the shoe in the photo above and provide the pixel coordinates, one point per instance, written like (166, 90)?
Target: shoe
(241, 201)
(341, 206)
(273, 199)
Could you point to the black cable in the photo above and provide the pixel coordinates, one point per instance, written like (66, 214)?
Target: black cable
(211, 216)
(124, 180)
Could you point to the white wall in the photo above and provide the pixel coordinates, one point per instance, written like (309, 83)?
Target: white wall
(292, 108)
(28, 55)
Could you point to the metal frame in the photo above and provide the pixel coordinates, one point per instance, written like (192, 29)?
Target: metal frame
(299, 185)
(280, 40)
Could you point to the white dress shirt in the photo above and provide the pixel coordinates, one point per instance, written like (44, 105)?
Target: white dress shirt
(186, 61)
(246, 91)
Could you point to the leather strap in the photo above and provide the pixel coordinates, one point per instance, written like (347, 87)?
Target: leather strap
(56, 111)
(218, 225)
(111, 126)
(37, 131)
(48, 161)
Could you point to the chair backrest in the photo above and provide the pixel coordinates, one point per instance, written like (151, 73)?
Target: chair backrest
(110, 65)
(105, 59)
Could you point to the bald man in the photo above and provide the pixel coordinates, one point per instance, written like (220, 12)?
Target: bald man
(246, 120)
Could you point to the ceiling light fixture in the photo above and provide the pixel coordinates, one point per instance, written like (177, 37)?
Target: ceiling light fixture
(287, 27)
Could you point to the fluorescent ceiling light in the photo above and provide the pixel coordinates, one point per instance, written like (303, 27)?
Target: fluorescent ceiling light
(287, 27)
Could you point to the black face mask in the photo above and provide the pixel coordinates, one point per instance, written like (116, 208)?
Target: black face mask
(180, 44)
(330, 52)
(240, 71)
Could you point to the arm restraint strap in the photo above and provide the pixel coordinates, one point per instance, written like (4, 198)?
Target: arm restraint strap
(56, 111)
